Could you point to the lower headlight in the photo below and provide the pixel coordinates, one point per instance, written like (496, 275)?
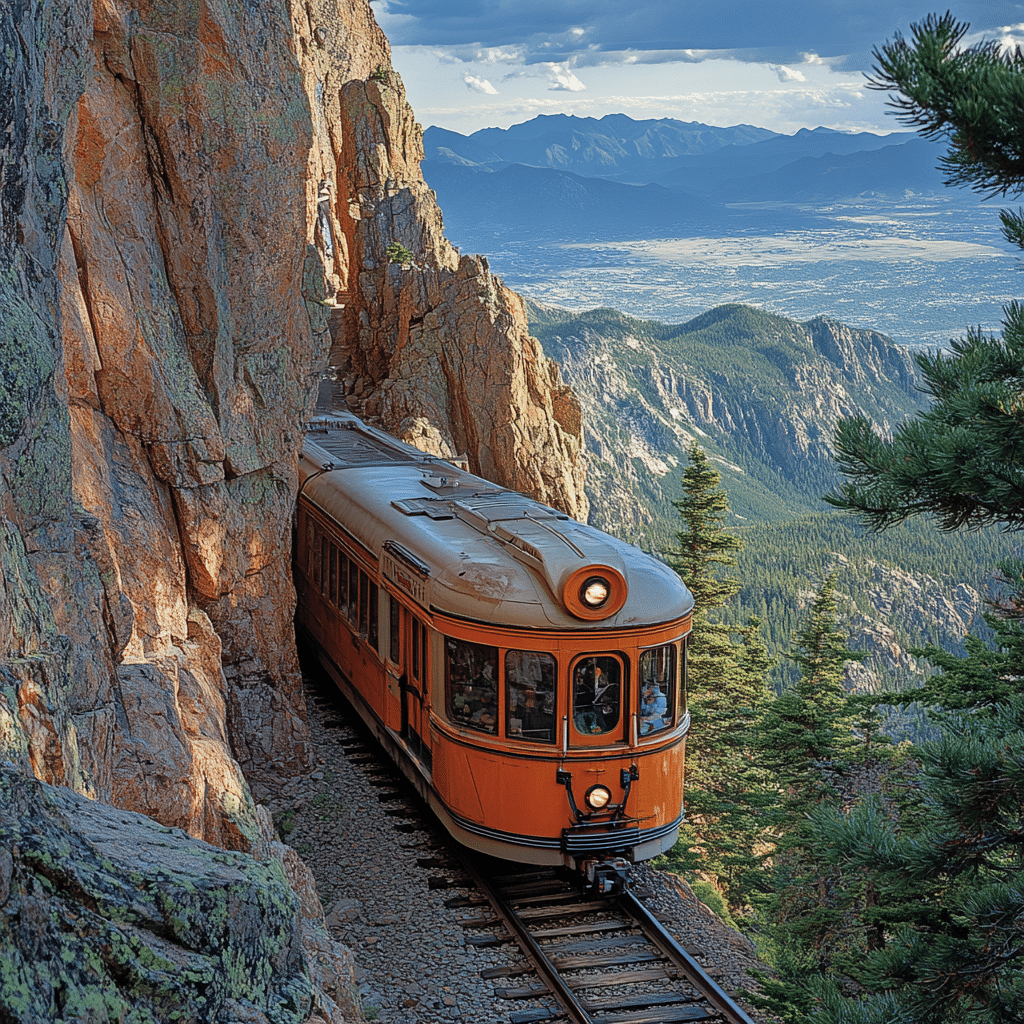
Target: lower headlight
(598, 797)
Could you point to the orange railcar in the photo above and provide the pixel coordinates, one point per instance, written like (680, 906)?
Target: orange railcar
(525, 671)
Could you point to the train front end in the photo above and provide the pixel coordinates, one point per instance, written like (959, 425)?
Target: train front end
(563, 718)
(526, 671)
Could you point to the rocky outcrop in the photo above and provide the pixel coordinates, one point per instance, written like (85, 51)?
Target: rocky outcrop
(106, 915)
(905, 607)
(429, 345)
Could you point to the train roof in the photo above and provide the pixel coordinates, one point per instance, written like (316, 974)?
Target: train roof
(471, 549)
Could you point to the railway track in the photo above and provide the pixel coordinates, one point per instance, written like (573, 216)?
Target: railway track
(591, 961)
(546, 952)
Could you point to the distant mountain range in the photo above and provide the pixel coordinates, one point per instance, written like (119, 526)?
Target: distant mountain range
(594, 147)
(576, 178)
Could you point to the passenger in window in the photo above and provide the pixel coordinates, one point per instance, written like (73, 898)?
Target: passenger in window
(606, 700)
(597, 695)
(584, 714)
(484, 700)
(653, 709)
(530, 719)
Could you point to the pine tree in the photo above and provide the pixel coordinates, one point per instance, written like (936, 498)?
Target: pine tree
(727, 686)
(806, 741)
(948, 870)
(951, 883)
(704, 546)
(807, 731)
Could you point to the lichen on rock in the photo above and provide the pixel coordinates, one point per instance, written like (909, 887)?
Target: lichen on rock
(106, 915)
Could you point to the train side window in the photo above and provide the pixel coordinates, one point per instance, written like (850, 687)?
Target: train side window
(395, 636)
(426, 661)
(333, 595)
(374, 635)
(311, 546)
(314, 556)
(530, 696)
(353, 593)
(471, 684)
(325, 561)
(596, 695)
(415, 648)
(683, 681)
(343, 564)
(364, 604)
(657, 689)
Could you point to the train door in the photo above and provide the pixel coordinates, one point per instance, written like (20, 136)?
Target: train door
(410, 655)
(598, 693)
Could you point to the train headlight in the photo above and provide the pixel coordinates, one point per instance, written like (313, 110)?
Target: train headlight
(595, 591)
(598, 797)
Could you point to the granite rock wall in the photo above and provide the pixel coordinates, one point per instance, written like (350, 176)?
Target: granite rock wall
(195, 203)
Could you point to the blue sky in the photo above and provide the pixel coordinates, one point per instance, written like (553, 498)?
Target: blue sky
(470, 64)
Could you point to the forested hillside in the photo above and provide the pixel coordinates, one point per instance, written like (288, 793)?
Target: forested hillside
(907, 587)
(761, 392)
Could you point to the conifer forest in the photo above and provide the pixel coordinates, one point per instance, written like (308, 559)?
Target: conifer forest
(879, 872)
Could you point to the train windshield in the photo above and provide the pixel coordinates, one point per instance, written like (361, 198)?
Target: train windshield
(530, 696)
(471, 672)
(597, 695)
(657, 689)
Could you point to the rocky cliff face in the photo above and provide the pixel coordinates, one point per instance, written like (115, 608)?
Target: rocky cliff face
(904, 608)
(435, 349)
(189, 191)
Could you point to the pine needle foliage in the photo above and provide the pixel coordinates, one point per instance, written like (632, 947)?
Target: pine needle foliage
(807, 731)
(953, 887)
(704, 545)
(962, 461)
(948, 861)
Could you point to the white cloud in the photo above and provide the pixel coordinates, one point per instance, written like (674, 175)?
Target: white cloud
(561, 79)
(787, 74)
(1011, 37)
(559, 76)
(473, 54)
(479, 85)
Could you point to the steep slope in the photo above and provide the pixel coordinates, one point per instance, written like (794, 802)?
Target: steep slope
(760, 392)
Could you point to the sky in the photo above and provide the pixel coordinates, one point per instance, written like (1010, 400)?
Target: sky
(471, 64)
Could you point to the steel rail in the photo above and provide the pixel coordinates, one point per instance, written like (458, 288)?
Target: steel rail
(657, 934)
(546, 970)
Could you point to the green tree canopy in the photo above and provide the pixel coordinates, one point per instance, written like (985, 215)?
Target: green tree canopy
(962, 460)
(946, 862)
(727, 687)
(704, 546)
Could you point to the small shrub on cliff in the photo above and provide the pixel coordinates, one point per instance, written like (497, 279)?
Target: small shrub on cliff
(398, 253)
(284, 822)
(381, 74)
